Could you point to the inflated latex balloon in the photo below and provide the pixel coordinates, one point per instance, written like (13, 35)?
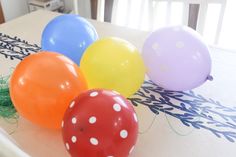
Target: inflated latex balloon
(113, 63)
(177, 58)
(42, 86)
(69, 35)
(100, 123)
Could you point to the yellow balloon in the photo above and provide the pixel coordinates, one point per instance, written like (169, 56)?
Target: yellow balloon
(113, 63)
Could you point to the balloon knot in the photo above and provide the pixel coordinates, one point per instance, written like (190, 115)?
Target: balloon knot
(209, 77)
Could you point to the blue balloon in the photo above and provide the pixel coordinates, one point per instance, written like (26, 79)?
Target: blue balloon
(69, 35)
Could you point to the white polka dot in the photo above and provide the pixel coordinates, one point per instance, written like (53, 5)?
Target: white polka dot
(135, 117)
(93, 141)
(62, 124)
(73, 139)
(93, 94)
(117, 107)
(67, 146)
(155, 46)
(123, 134)
(110, 156)
(74, 120)
(179, 44)
(131, 150)
(72, 104)
(92, 120)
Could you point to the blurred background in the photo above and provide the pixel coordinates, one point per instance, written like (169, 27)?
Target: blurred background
(214, 19)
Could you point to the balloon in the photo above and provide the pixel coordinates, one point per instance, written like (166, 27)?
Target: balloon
(115, 64)
(100, 123)
(43, 85)
(69, 35)
(177, 58)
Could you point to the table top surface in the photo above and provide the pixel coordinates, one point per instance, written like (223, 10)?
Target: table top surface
(170, 135)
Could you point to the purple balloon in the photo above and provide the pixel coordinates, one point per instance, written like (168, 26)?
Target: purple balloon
(177, 58)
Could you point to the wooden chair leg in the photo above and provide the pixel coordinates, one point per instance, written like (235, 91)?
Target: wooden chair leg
(94, 5)
(108, 10)
(193, 15)
(2, 20)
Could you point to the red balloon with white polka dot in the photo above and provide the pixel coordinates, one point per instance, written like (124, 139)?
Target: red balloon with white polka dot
(100, 123)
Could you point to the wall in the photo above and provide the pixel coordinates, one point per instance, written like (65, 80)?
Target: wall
(14, 8)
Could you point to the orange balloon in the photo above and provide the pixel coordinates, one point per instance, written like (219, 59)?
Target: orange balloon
(42, 86)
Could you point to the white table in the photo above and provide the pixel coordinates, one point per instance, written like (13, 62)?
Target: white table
(160, 140)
